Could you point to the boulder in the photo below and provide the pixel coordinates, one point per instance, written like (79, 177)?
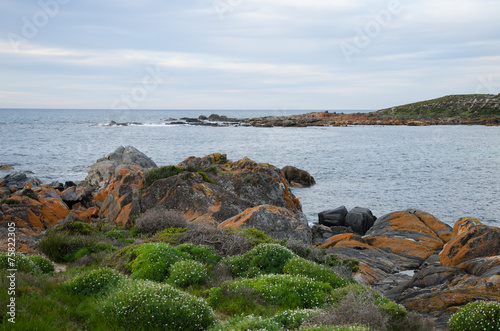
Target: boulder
(298, 177)
(73, 195)
(6, 167)
(471, 239)
(333, 217)
(121, 198)
(360, 220)
(397, 241)
(17, 180)
(222, 191)
(277, 222)
(122, 160)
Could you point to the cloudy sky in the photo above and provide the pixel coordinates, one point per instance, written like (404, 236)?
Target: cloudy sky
(245, 54)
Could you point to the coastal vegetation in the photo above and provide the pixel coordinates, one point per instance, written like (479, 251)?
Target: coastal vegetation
(149, 284)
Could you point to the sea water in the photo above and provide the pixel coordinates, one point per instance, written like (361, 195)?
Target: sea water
(448, 171)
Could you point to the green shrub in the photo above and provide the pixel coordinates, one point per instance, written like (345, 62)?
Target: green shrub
(284, 291)
(255, 236)
(338, 328)
(168, 236)
(18, 261)
(45, 265)
(139, 305)
(159, 173)
(205, 177)
(263, 259)
(59, 245)
(158, 219)
(114, 234)
(293, 319)
(153, 261)
(203, 254)
(479, 315)
(302, 249)
(351, 264)
(95, 248)
(300, 266)
(94, 282)
(365, 293)
(186, 272)
(78, 228)
(248, 323)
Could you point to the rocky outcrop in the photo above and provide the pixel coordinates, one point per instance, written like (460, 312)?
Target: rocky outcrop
(360, 220)
(277, 222)
(213, 189)
(397, 241)
(18, 180)
(6, 167)
(298, 177)
(123, 160)
(471, 239)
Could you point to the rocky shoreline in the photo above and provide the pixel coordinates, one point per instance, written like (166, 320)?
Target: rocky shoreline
(410, 256)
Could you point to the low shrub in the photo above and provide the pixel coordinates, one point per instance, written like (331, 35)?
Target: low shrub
(351, 264)
(158, 219)
(283, 291)
(248, 323)
(60, 245)
(168, 236)
(95, 282)
(293, 319)
(187, 272)
(114, 234)
(338, 328)
(204, 254)
(9, 202)
(300, 266)
(153, 260)
(77, 228)
(238, 300)
(45, 265)
(18, 261)
(159, 173)
(479, 315)
(255, 236)
(302, 249)
(225, 241)
(139, 305)
(95, 248)
(263, 259)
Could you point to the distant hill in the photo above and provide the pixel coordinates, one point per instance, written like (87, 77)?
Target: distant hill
(460, 106)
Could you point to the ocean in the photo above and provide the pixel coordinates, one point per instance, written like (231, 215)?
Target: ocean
(448, 171)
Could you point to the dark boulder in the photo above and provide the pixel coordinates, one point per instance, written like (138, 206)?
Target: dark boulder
(333, 217)
(360, 220)
(17, 180)
(298, 177)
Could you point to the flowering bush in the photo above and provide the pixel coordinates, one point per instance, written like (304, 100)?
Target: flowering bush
(153, 261)
(94, 282)
(20, 262)
(248, 323)
(263, 259)
(284, 291)
(45, 265)
(139, 305)
(202, 253)
(293, 319)
(479, 315)
(300, 266)
(186, 272)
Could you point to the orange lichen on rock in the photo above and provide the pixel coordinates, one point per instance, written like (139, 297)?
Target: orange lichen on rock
(422, 249)
(341, 238)
(472, 240)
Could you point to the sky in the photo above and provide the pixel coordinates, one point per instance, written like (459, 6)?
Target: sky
(245, 54)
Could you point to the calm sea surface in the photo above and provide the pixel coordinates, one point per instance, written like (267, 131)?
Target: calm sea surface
(448, 171)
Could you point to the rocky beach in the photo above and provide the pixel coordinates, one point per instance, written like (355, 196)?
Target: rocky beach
(410, 256)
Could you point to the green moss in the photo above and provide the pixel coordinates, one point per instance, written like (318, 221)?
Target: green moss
(159, 173)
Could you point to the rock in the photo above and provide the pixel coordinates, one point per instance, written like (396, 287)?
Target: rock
(121, 201)
(297, 177)
(277, 222)
(15, 180)
(333, 217)
(471, 239)
(6, 167)
(360, 220)
(69, 184)
(73, 195)
(397, 241)
(228, 189)
(482, 266)
(122, 160)
(56, 185)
